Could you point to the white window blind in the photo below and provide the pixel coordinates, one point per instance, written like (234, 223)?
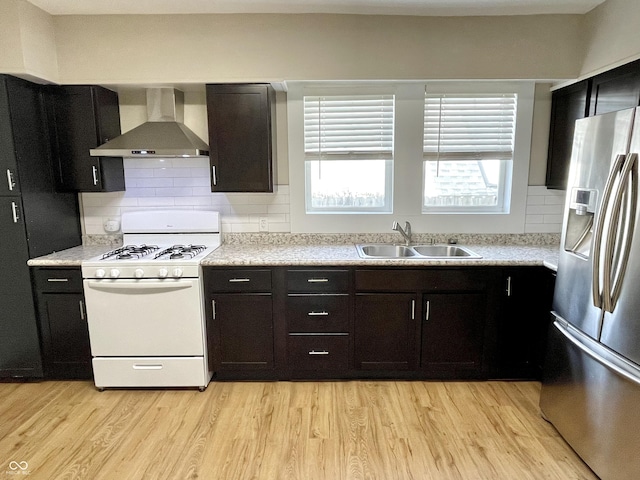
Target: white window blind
(348, 127)
(469, 127)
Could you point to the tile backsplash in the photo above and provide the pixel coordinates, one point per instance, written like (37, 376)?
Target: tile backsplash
(184, 183)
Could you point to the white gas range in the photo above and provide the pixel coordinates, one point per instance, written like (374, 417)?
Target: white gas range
(144, 301)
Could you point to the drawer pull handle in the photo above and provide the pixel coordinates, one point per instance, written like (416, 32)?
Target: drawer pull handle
(318, 314)
(14, 212)
(10, 180)
(318, 352)
(317, 280)
(57, 279)
(83, 315)
(148, 367)
(239, 280)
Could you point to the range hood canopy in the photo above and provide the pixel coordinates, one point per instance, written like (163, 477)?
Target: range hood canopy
(163, 135)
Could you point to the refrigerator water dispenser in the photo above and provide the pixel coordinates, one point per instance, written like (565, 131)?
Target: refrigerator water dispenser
(582, 207)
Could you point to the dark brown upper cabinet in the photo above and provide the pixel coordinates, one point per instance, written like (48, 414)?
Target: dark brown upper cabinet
(568, 105)
(610, 91)
(241, 136)
(616, 89)
(82, 117)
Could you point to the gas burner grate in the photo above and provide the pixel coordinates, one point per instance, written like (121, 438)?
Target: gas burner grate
(177, 252)
(129, 252)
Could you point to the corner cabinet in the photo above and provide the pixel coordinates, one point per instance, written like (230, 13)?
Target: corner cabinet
(62, 318)
(567, 105)
(82, 117)
(614, 90)
(241, 137)
(526, 297)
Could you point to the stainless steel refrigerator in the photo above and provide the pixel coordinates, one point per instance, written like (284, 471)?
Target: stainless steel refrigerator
(591, 382)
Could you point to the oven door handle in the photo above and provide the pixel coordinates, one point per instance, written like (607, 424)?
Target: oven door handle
(120, 285)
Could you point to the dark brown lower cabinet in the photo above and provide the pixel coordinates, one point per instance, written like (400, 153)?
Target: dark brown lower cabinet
(63, 325)
(379, 322)
(453, 328)
(243, 331)
(527, 293)
(385, 331)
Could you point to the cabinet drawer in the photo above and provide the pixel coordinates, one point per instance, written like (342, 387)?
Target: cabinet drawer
(57, 279)
(318, 313)
(237, 280)
(318, 352)
(316, 280)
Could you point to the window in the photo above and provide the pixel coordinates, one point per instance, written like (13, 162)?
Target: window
(363, 154)
(348, 152)
(468, 146)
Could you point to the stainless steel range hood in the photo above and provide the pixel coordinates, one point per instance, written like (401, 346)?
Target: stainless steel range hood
(163, 135)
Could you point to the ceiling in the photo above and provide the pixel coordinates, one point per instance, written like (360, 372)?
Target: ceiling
(364, 7)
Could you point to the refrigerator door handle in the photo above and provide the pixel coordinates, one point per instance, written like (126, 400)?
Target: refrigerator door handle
(621, 229)
(599, 229)
(599, 353)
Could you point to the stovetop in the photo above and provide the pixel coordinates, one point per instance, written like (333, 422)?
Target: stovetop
(154, 252)
(163, 244)
(147, 261)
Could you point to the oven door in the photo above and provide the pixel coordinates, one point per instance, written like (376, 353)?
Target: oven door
(147, 317)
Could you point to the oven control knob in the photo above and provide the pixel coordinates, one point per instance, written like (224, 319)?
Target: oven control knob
(138, 273)
(115, 273)
(177, 272)
(163, 272)
(100, 273)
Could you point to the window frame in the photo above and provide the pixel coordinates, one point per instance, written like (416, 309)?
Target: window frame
(353, 154)
(408, 161)
(505, 165)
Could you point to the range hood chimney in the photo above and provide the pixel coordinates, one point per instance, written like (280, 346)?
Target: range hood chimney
(163, 135)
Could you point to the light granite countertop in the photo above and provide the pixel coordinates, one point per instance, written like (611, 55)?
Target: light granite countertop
(318, 255)
(347, 255)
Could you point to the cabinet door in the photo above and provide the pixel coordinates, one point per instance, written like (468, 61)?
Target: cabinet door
(83, 117)
(240, 137)
(453, 333)
(616, 89)
(385, 331)
(65, 335)
(9, 184)
(19, 342)
(243, 329)
(568, 105)
(523, 322)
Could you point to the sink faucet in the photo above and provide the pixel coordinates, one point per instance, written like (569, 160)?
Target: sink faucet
(406, 233)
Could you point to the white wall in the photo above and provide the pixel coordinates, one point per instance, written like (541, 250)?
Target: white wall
(611, 36)
(142, 49)
(27, 39)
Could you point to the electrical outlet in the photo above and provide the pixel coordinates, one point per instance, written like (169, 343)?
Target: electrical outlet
(263, 224)
(111, 225)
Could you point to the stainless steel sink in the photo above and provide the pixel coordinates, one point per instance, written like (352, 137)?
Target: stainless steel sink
(444, 251)
(385, 250)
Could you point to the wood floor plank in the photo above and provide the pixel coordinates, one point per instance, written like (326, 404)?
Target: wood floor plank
(346, 430)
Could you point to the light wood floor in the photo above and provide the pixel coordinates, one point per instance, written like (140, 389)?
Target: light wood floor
(282, 430)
